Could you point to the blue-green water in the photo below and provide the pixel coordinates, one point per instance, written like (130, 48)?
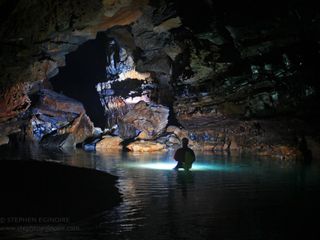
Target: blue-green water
(222, 197)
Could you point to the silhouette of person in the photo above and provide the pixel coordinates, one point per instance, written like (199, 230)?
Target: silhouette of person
(184, 156)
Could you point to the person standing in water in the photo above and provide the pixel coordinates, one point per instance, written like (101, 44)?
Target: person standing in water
(184, 156)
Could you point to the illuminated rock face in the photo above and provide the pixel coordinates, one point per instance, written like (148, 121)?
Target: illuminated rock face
(231, 77)
(146, 146)
(53, 111)
(109, 143)
(37, 37)
(124, 86)
(147, 118)
(70, 135)
(14, 101)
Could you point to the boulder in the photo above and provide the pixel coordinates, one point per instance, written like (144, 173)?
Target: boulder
(145, 146)
(58, 141)
(179, 132)
(56, 112)
(76, 132)
(14, 101)
(109, 143)
(59, 103)
(143, 135)
(82, 128)
(151, 119)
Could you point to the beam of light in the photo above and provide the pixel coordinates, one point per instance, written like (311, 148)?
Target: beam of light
(170, 166)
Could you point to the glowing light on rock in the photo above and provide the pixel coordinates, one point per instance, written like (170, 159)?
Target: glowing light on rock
(133, 100)
(133, 74)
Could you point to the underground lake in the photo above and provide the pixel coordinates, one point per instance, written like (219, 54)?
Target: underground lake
(235, 196)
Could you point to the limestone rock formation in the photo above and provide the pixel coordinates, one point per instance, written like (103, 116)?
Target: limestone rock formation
(37, 36)
(109, 143)
(76, 132)
(146, 146)
(234, 79)
(14, 101)
(149, 118)
(55, 111)
(56, 102)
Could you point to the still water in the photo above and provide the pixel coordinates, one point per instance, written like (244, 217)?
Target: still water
(222, 197)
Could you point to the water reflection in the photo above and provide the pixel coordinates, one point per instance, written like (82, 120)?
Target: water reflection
(222, 197)
(185, 180)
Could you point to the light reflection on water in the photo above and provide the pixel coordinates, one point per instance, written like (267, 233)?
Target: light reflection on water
(222, 197)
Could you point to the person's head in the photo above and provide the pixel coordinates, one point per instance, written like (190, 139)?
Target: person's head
(185, 142)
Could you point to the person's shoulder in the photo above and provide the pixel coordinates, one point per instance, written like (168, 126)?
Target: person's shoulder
(189, 149)
(179, 150)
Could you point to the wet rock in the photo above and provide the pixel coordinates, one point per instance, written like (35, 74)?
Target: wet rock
(109, 143)
(283, 152)
(57, 141)
(146, 146)
(97, 132)
(150, 118)
(89, 145)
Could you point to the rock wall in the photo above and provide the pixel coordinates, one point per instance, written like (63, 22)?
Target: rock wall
(37, 35)
(233, 76)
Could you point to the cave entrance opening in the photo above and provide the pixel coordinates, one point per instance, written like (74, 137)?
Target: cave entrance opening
(101, 74)
(84, 68)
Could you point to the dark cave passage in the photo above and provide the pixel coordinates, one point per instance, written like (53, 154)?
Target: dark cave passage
(84, 68)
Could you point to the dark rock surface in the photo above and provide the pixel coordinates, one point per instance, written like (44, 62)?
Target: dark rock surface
(47, 189)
